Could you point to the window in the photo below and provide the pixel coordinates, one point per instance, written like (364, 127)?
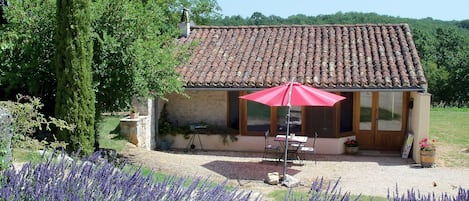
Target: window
(346, 112)
(258, 116)
(366, 100)
(320, 120)
(295, 119)
(390, 111)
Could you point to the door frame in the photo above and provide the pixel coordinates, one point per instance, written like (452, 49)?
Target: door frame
(375, 139)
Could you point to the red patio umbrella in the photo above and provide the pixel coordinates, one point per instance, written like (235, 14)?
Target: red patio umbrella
(293, 94)
(301, 95)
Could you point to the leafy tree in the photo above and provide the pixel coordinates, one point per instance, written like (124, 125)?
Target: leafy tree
(464, 24)
(75, 99)
(2, 19)
(257, 18)
(202, 11)
(26, 51)
(134, 53)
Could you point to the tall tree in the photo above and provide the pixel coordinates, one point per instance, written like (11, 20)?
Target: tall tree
(75, 99)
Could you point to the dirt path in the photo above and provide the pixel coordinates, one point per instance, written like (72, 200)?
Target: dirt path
(369, 175)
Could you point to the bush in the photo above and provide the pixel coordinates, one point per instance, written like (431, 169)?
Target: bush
(61, 178)
(410, 195)
(6, 133)
(27, 120)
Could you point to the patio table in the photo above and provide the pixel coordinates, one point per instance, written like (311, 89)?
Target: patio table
(294, 145)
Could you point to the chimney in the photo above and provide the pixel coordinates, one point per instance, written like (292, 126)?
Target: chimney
(185, 25)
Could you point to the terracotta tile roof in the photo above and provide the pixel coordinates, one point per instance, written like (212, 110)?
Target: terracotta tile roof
(372, 56)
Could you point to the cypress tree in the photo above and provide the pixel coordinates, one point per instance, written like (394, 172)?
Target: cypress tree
(75, 98)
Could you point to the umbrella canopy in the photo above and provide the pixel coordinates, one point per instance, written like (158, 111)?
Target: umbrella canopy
(293, 94)
(301, 95)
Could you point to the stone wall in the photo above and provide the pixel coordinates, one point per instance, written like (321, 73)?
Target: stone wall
(137, 131)
(206, 106)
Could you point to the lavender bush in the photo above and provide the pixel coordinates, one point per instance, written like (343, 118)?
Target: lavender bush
(411, 195)
(318, 192)
(58, 177)
(61, 178)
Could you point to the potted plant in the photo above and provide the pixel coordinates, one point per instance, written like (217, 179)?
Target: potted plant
(133, 112)
(351, 146)
(427, 152)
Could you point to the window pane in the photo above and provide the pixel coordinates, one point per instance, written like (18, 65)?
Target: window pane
(390, 111)
(366, 99)
(295, 119)
(320, 120)
(258, 116)
(346, 112)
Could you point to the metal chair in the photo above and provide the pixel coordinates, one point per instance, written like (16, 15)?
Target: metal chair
(304, 150)
(270, 149)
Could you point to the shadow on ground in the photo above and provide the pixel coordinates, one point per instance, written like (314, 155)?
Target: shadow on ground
(252, 170)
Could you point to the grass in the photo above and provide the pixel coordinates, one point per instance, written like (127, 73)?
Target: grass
(109, 134)
(279, 195)
(20, 155)
(449, 127)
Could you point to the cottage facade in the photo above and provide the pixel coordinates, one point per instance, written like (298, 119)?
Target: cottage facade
(375, 66)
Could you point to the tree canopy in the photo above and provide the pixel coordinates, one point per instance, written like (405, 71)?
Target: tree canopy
(134, 50)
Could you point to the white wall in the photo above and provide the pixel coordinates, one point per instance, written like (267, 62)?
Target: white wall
(419, 121)
(253, 143)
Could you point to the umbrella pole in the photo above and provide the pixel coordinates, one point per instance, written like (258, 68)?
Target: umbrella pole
(285, 157)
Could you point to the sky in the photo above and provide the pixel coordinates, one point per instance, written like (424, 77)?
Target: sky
(446, 10)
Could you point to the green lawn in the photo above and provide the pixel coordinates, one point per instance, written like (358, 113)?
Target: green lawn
(109, 134)
(450, 128)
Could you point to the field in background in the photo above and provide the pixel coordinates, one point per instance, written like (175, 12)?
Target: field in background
(450, 128)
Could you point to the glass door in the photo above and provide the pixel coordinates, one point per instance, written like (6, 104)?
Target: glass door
(381, 120)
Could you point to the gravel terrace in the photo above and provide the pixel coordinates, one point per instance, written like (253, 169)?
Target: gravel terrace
(366, 174)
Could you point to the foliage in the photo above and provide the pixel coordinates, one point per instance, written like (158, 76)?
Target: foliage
(27, 119)
(6, 132)
(202, 11)
(426, 145)
(332, 191)
(63, 178)
(75, 98)
(166, 127)
(27, 50)
(412, 194)
(351, 143)
(134, 52)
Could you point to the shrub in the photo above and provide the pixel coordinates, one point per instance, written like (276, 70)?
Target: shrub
(27, 120)
(412, 194)
(93, 179)
(5, 138)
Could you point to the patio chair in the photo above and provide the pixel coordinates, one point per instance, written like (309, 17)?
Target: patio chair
(270, 149)
(305, 150)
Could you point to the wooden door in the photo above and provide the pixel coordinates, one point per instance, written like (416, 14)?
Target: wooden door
(382, 120)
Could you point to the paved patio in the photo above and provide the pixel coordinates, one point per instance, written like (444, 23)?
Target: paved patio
(369, 173)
